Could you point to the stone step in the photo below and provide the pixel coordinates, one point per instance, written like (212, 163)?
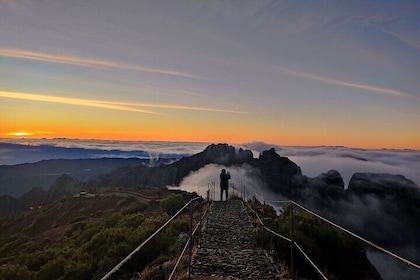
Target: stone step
(227, 248)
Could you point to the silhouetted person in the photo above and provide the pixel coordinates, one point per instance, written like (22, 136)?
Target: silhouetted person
(224, 183)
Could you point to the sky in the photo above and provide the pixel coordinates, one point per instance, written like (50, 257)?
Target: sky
(301, 73)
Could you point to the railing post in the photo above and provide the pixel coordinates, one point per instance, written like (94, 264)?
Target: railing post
(191, 240)
(292, 241)
(255, 225)
(233, 188)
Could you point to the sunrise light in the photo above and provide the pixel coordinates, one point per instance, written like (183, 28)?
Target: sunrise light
(19, 133)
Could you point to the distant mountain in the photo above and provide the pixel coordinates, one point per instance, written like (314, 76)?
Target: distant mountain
(18, 179)
(12, 154)
(64, 186)
(18, 153)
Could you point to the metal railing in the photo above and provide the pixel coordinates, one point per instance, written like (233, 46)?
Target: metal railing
(121, 263)
(244, 194)
(293, 203)
(304, 254)
(188, 243)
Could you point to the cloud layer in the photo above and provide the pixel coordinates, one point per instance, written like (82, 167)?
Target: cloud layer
(316, 160)
(312, 160)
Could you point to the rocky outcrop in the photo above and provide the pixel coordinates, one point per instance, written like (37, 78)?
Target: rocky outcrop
(382, 184)
(392, 206)
(281, 174)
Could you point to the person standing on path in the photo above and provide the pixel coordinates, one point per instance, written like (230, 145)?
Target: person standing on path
(224, 183)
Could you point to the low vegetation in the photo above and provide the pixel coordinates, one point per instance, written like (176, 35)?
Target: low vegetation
(84, 238)
(338, 255)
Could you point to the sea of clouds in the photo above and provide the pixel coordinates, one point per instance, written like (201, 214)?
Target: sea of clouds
(316, 160)
(312, 160)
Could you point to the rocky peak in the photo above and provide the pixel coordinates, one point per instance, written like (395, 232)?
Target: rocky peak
(220, 153)
(224, 154)
(331, 178)
(244, 155)
(382, 184)
(282, 174)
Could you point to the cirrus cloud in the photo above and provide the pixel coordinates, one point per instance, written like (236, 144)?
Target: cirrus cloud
(85, 62)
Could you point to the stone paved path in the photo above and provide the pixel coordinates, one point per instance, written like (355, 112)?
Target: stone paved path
(227, 247)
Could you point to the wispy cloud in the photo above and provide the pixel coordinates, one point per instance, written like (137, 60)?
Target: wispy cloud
(341, 83)
(178, 107)
(113, 105)
(71, 101)
(84, 62)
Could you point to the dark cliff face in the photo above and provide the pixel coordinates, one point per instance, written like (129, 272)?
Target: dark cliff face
(392, 207)
(281, 174)
(381, 184)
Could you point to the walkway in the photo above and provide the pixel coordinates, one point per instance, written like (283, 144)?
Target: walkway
(227, 249)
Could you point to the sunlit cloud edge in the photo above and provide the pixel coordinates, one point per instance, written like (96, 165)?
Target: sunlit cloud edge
(70, 101)
(120, 106)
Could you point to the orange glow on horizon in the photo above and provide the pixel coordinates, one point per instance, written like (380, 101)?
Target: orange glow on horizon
(193, 137)
(19, 133)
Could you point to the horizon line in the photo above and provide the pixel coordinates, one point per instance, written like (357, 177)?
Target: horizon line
(205, 142)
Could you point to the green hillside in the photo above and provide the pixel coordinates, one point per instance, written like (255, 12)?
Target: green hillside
(84, 237)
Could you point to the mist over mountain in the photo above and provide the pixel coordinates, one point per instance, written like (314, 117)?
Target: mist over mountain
(38, 163)
(347, 161)
(37, 150)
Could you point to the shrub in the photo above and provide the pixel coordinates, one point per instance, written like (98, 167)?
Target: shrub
(172, 204)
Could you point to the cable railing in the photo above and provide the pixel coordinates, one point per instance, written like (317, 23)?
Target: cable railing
(244, 194)
(188, 243)
(293, 203)
(304, 254)
(136, 250)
